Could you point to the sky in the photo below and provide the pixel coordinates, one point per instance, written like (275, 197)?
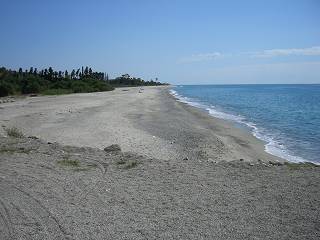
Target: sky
(177, 41)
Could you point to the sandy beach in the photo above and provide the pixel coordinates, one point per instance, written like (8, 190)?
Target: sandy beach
(149, 122)
(180, 173)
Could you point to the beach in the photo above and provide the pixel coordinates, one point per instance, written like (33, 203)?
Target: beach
(180, 173)
(149, 121)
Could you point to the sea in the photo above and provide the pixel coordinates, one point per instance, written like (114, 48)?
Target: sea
(285, 117)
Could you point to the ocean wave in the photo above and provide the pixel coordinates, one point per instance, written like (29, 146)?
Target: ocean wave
(272, 145)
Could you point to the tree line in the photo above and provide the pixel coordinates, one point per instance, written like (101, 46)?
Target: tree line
(127, 80)
(49, 81)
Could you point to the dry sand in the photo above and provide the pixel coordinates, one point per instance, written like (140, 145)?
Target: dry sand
(179, 175)
(150, 123)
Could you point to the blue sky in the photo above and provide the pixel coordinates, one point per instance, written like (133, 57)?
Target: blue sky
(181, 42)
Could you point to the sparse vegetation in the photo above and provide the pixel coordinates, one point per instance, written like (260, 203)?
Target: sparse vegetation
(14, 150)
(131, 164)
(127, 164)
(297, 166)
(14, 132)
(69, 163)
(86, 168)
(75, 164)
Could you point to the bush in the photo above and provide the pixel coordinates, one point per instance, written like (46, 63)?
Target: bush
(4, 91)
(57, 91)
(31, 85)
(80, 87)
(50, 82)
(100, 86)
(90, 85)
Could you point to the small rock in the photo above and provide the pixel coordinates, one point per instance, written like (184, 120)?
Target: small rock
(210, 160)
(241, 159)
(34, 137)
(113, 148)
(186, 158)
(275, 163)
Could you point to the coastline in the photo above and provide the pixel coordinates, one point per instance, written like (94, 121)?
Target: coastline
(271, 146)
(198, 188)
(237, 138)
(152, 123)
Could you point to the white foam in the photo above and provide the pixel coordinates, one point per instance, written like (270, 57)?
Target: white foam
(272, 146)
(216, 113)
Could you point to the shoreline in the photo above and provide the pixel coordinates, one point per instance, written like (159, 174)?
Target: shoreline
(206, 183)
(244, 136)
(251, 128)
(152, 123)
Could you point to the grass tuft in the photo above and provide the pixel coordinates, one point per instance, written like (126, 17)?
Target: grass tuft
(131, 164)
(75, 164)
(15, 150)
(14, 132)
(126, 164)
(69, 163)
(296, 166)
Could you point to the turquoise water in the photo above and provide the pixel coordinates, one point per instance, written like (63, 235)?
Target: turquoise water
(286, 117)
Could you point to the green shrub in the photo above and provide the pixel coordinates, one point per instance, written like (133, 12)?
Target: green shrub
(48, 81)
(80, 87)
(31, 85)
(57, 91)
(6, 89)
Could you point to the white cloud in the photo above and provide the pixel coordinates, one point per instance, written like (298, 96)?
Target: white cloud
(201, 57)
(272, 73)
(312, 51)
